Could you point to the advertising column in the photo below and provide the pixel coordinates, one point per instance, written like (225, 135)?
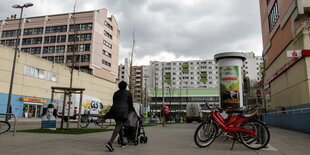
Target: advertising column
(230, 80)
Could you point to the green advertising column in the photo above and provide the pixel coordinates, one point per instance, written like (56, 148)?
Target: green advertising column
(230, 80)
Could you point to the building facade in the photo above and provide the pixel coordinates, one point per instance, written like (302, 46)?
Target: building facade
(285, 33)
(52, 37)
(34, 78)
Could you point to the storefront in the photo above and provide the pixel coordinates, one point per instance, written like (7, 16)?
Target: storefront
(32, 107)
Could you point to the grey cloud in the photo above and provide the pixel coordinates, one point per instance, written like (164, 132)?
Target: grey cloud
(199, 29)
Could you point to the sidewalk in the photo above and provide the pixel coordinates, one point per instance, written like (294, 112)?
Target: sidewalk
(173, 139)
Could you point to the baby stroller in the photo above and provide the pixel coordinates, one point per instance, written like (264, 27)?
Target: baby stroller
(133, 129)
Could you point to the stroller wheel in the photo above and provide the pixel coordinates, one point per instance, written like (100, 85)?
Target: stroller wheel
(145, 139)
(142, 139)
(136, 142)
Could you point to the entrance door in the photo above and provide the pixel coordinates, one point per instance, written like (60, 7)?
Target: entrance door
(32, 110)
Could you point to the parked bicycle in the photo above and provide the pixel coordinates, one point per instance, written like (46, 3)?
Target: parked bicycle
(97, 119)
(243, 128)
(4, 127)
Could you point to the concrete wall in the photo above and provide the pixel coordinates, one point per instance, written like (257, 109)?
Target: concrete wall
(36, 87)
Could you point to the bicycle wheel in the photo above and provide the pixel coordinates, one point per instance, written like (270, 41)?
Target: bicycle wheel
(4, 127)
(261, 138)
(84, 121)
(103, 123)
(205, 134)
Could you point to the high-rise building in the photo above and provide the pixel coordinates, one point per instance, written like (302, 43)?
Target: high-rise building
(123, 71)
(137, 83)
(253, 67)
(53, 37)
(286, 50)
(185, 74)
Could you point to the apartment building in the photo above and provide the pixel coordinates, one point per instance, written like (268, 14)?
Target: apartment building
(34, 78)
(52, 37)
(136, 83)
(185, 74)
(253, 67)
(286, 42)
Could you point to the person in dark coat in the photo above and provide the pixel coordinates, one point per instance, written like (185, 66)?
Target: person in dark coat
(122, 105)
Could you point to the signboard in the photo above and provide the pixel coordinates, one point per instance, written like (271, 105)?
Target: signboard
(293, 53)
(229, 83)
(29, 99)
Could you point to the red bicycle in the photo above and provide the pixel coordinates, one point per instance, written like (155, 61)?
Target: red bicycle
(241, 127)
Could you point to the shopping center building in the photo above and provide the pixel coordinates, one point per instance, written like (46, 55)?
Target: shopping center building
(34, 78)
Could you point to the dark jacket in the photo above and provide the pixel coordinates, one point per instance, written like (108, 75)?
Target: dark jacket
(122, 104)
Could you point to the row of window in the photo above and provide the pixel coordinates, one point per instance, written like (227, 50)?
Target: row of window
(201, 67)
(50, 29)
(30, 41)
(53, 39)
(60, 59)
(192, 83)
(57, 49)
(191, 63)
(186, 99)
(80, 37)
(81, 27)
(39, 73)
(33, 31)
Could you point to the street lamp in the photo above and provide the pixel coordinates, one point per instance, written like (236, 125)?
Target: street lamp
(145, 96)
(16, 6)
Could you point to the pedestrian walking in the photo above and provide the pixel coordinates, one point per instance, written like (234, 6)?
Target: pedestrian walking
(122, 105)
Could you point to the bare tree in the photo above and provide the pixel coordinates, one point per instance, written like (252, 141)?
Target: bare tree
(131, 58)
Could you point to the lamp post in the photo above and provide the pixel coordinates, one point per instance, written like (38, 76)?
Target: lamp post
(16, 6)
(145, 97)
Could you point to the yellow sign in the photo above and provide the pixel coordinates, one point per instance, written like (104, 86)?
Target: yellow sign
(29, 99)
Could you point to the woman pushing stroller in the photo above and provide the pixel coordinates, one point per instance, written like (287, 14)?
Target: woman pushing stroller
(122, 105)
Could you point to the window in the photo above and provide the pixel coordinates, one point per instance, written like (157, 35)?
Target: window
(108, 25)
(80, 48)
(81, 27)
(39, 73)
(10, 33)
(33, 31)
(107, 44)
(80, 37)
(106, 53)
(106, 63)
(54, 29)
(107, 34)
(273, 15)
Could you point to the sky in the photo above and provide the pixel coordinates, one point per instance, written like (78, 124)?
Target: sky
(167, 30)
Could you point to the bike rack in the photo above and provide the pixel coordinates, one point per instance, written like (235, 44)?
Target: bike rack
(14, 129)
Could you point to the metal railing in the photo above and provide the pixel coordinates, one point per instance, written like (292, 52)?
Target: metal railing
(15, 119)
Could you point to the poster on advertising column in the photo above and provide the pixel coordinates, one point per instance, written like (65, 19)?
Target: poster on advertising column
(229, 87)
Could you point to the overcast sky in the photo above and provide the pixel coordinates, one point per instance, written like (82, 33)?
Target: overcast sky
(168, 30)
